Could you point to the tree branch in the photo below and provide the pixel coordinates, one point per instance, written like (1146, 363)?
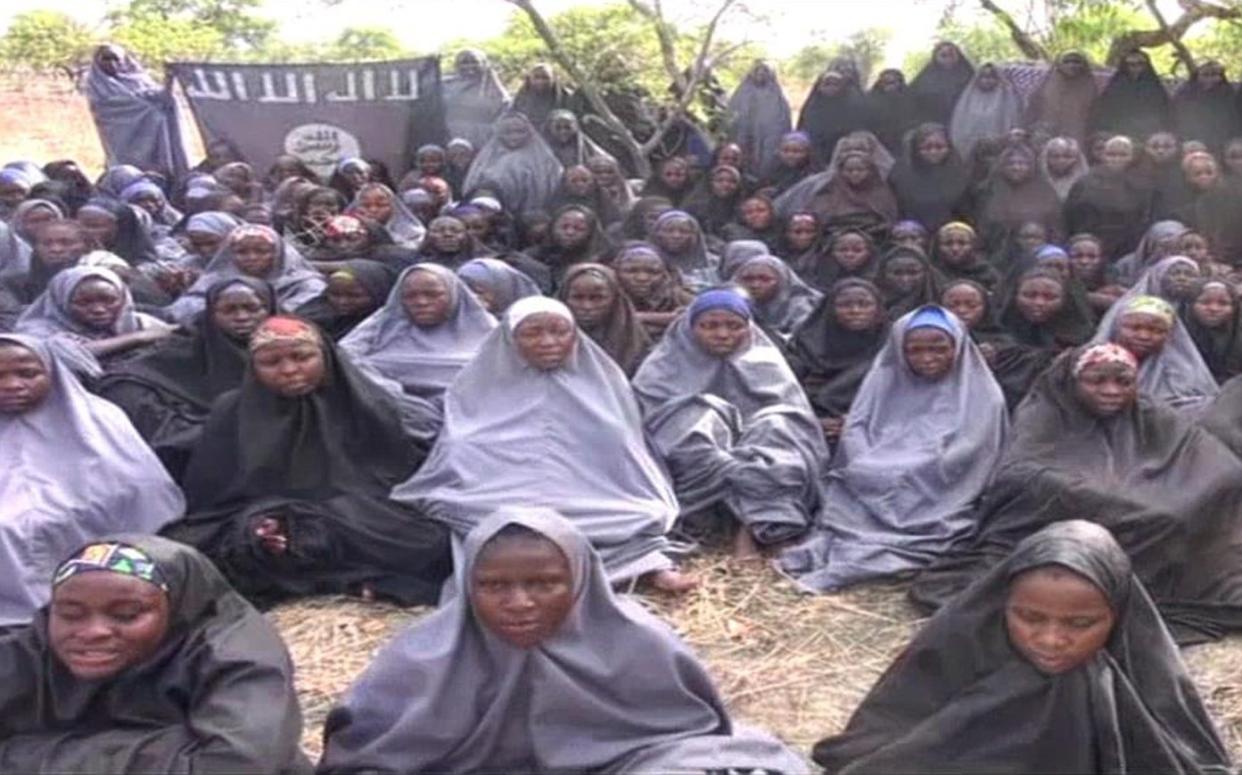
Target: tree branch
(664, 35)
(1193, 12)
(1021, 39)
(1183, 53)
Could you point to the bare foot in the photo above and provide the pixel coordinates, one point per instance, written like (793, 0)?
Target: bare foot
(272, 536)
(744, 547)
(672, 581)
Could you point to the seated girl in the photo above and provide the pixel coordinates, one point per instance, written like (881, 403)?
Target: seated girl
(147, 661)
(956, 256)
(377, 203)
(907, 281)
(679, 240)
(779, 299)
(1214, 323)
(496, 284)
(919, 445)
(571, 679)
(428, 329)
(93, 306)
(542, 416)
(355, 291)
(653, 285)
(733, 425)
(603, 312)
(287, 486)
(1088, 267)
(832, 351)
(844, 254)
(168, 392)
(1055, 661)
(26, 272)
(259, 252)
(74, 470)
(1085, 444)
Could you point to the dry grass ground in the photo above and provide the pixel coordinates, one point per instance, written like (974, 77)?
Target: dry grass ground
(793, 664)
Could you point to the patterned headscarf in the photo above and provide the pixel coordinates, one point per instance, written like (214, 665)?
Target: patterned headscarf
(1104, 353)
(280, 329)
(1151, 305)
(114, 558)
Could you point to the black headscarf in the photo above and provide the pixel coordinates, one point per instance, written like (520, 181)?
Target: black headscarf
(819, 268)
(961, 698)
(131, 241)
(827, 119)
(1135, 107)
(931, 195)
(1166, 489)
(375, 277)
(537, 105)
(216, 695)
(1221, 347)
(1114, 206)
(895, 301)
(1206, 113)
(713, 212)
(830, 361)
(936, 88)
(891, 114)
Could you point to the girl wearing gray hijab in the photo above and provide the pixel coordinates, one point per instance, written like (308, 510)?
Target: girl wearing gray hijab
(781, 300)
(544, 417)
(759, 117)
(378, 203)
(517, 165)
(919, 445)
(473, 97)
(496, 284)
(989, 107)
(431, 326)
(580, 681)
(736, 431)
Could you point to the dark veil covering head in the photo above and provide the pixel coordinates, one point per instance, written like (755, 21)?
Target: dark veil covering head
(891, 114)
(936, 88)
(621, 335)
(215, 696)
(377, 278)
(1136, 107)
(929, 194)
(131, 242)
(1206, 113)
(1166, 489)
(961, 699)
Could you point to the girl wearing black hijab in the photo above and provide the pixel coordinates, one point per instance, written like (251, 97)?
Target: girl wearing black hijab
(1134, 103)
(906, 280)
(834, 108)
(287, 488)
(1203, 108)
(1214, 323)
(115, 227)
(147, 661)
(1110, 202)
(671, 180)
(355, 289)
(940, 82)
(891, 109)
(1055, 661)
(930, 180)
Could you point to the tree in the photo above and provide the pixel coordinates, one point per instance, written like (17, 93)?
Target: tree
(232, 21)
(45, 41)
(155, 41)
(865, 48)
(359, 44)
(685, 79)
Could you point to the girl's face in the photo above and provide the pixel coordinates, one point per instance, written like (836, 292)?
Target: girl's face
(725, 184)
(966, 302)
(801, 232)
(289, 369)
(1061, 160)
(479, 225)
(563, 129)
(988, 80)
(238, 311)
(149, 202)
(12, 194)
(1118, 156)
(101, 623)
(947, 56)
(929, 352)
(1107, 389)
(905, 274)
(484, 294)
(254, 256)
(1039, 299)
(934, 148)
(101, 227)
(604, 171)
(348, 296)
(571, 230)
(514, 134)
(1195, 247)
(1214, 306)
(675, 236)
(855, 172)
(909, 237)
(96, 304)
(857, 309)
(639, 275)
(653, 214)
(545, 341)
(851, 252)
(1161, 147)
(431, 163)
(1030, 237)
(1058, 265)
(794, 153)
(675, 174)
(321, 207)
(730, 154)
(61, 244)
(763, 283)
(1086, 259)
(721, 333)
(24, 380)
(447, 235)
(1017, 168)
(459, 156)
(1179, 282)
(1142, 333)
(956, 247)
(579, 181)
(1233, 157)
(590, 298)
(376, 205)
(1056, 619)
(757, 214)
(522, 590)
(1202, 175)
(426, 299)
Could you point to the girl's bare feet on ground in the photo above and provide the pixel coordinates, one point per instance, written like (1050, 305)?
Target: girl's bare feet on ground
(744, 547)
(672, 581)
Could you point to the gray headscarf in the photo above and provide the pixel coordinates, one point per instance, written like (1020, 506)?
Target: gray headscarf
(525, 178)
(913, 459)
(1177, 376)
(83, 472)
(505, 283)
(1130, 267)
(737, 430)
(49, 314)
(798, 198)
(424, 360)
(14, 253)
(1063, 184)
(403, 225)
(295, 281)
(472, 105)
(570, 439)
(981, 115)
(759, 117)
(794, 299)
(449, 696)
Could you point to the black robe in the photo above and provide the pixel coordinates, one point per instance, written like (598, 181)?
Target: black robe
(323, 464)
(1136, 107)
(962, 699)
(216, 696)
(376, 277)
(931, 195)
(1165, 488)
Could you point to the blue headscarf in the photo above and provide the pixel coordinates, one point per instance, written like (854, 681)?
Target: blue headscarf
(932, 316)
(728, 299)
